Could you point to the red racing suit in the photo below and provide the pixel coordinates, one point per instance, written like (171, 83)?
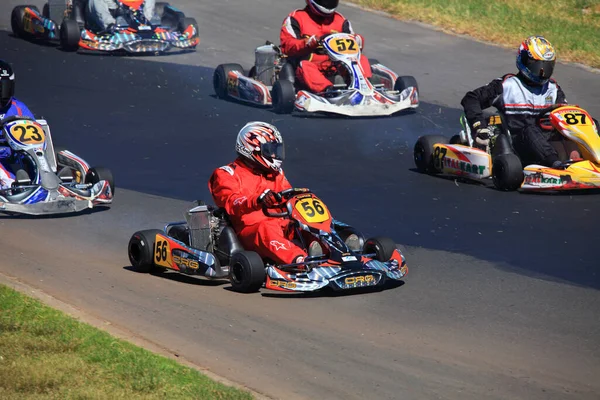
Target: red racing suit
(300, 25)
(236, 188)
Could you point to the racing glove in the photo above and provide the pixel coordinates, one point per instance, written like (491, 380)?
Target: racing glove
(312, 42)
(482, 133)
(268, 198)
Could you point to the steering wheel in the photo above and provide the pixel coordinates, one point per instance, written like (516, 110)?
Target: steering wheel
(282, 198)
(542, 119)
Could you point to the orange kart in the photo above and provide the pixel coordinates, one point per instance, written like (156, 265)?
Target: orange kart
(206, 245)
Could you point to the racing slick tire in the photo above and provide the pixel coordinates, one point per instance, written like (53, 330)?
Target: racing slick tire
(507, 172)
(423, 152)
(69, 35)
(455, 139)
(16, 20)
(246, 272)
(97, 174)
(284, 96)
(141, 251)
(220, 78)
(404, 82)
(382, 246)
(187, 21)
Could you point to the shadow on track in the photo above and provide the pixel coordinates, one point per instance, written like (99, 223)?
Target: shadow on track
(161, 131)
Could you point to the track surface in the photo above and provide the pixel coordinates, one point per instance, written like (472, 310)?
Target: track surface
(502, 296)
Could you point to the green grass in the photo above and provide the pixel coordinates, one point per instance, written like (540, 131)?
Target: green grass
(45, 354)
(572, 26)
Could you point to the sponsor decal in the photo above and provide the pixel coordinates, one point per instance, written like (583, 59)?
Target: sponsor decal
(540, 179)
(349, 258)
(239, 201)
(278, 246)
(464, 166)
(283, 284)
(185, 262)
(359, 280)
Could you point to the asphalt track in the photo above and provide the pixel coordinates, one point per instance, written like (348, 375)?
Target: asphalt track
(502, 296)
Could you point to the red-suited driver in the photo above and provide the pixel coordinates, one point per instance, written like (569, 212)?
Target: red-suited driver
(243, 187)
(300, 36)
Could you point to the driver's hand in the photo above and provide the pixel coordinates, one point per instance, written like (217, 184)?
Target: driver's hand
(312, 42)
(483, 133)
(267, 199)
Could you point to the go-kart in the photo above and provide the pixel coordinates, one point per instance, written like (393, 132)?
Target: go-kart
(133, 33)
(206, 245)
(271, 82)
(574, 132)
(47, 180)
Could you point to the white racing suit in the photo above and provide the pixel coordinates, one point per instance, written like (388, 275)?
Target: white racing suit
(99, 14)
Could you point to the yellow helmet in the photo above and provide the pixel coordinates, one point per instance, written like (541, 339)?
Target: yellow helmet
(536, 59)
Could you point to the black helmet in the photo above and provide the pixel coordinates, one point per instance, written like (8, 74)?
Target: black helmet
(7, 83)
(324, 8)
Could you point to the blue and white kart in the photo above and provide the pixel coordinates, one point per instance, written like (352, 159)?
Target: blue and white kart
(271, 82)
(47, 180)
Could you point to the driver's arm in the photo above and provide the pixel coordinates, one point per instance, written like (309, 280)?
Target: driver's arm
(293, 44)
(479, 99)
(560, 95)
(228, 193)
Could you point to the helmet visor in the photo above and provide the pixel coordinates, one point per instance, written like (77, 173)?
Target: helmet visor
(541, 68)
(273, 151)
(329, 4)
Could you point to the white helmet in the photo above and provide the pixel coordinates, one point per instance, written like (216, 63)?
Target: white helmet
(323, 8)
(262, 144)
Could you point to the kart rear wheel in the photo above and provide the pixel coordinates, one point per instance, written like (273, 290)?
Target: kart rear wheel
(404, 82)
(507, 172)
(97, 174)
(373, 61)
(141, 251)
(184, 23)
(382, 246)
(283, 96)
(246, 272)
(16, 20)
(423, 152)
(220, 81)
(69, 35)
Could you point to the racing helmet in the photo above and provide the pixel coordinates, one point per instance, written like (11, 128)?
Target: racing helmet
(323, 8)
(7, 83)
(262, 145)
(536, 59)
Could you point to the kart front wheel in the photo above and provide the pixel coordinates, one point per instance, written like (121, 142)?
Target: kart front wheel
(246, 272)
(383, 248)
(507, 172)
(283, 96)
(423, 152)
(141, 250)
(69, 35)
(97, 174)
(221, 80)
(404, 82)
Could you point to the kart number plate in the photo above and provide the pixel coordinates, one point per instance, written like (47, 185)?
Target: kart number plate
(162, 252)
(346, 45)
(27, 133)
(312, 210)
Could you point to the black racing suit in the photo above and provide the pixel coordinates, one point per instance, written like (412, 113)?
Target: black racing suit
(521, 104)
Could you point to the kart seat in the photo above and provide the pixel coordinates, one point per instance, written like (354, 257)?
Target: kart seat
(227, 245)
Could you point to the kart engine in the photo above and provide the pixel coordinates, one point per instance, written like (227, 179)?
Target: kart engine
(204, 227)
(265, 60)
